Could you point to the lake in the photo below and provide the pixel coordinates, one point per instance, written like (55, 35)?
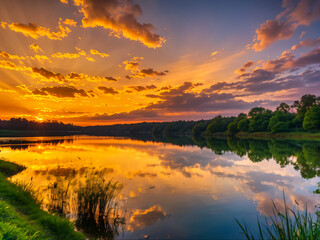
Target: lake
(176, 188)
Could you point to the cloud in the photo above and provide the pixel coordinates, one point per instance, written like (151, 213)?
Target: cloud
(286, 23)
(34, 31)
(146, 72)
(48, 74)
(245, 67)
(8, 65)
(271, 31)
(132, 64)
(10, 56)
(214, 53)
(70, 22)
(310, 58)
(142, 218)
(120, 17)
(181, 102)
(306, 12)
(306, 43)
(143, 88)
(81, 76)
(35, 48)
(62, 92)
(96, 52)
(108, 90)
(65, 55)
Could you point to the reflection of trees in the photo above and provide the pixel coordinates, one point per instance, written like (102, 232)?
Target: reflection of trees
(303, 155)
(94, 202)
(217, 145)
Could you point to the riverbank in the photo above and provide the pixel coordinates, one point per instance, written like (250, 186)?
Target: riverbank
(266, 135)
(282, 135)
(22, 218)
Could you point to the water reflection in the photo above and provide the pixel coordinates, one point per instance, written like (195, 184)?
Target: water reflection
(174, 188)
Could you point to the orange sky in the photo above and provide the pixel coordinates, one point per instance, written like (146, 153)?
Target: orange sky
(102, 62)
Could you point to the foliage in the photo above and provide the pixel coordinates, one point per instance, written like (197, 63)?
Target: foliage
(312, 118)
(260, 121)
(243, 125)
(283, 107)
(232, 128)
(219, 124)
(46, 225)
(305, 103)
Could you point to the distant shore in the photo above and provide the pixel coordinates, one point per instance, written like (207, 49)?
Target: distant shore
(264, 135)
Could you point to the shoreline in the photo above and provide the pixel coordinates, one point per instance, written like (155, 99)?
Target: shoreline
(21, 216)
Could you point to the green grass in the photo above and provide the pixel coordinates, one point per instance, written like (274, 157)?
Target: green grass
(288, 224)
(22, 217)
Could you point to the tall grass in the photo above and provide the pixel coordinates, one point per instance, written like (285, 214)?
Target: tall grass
(94, 200)
(27, 212)
(287, 224)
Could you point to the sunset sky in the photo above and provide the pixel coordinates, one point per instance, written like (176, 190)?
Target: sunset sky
(119, 61)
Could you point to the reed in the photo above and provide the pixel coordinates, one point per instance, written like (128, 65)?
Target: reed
(287, 224)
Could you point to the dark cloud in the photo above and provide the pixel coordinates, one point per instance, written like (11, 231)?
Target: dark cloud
(146, 72)
(181, 100)
(307, 43)
(48, 74)
(108, 90)
(143, 88)
(310, 58)
(245, 67)
(112, 79)
(62, 92)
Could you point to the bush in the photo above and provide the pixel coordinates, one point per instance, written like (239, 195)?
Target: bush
(280, 127)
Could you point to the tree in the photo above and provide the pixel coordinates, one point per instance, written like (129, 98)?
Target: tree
(312, 118)
(232, 128)
(283, 107)
(280, 117)
(256, 110)
(306, 102)
(199, 128)
(219, 124)
(243, 125)
(260, 121)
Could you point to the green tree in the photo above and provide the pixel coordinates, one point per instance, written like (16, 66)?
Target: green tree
(243, 125)
(256, 110)
(260, 122)
(283, 107)
(280, 121)
(305, 103)
(232, 128)
(312, 118)
(199, 128)
(219, 124)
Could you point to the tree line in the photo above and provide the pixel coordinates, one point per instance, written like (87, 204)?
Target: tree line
(22, 124)
(302, 115)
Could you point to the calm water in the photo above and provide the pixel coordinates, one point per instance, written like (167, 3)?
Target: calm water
(178, 189)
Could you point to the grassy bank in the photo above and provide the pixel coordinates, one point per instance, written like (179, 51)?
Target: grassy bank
(22, 218)
(263, 135)
(283, 135)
